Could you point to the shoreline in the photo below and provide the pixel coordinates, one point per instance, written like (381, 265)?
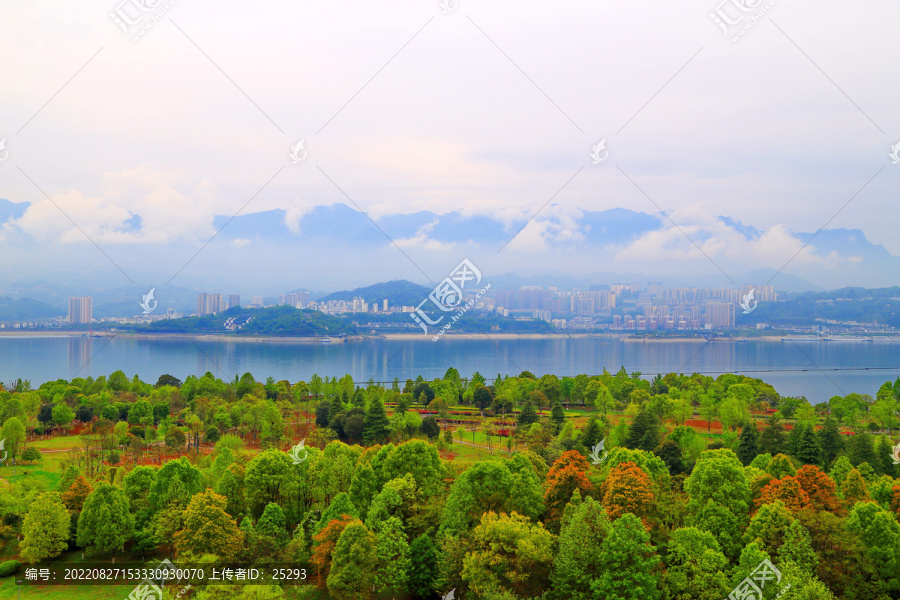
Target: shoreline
(220, 337)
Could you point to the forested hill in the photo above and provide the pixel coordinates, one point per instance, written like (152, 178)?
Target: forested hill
(274, 320)
(397, 293)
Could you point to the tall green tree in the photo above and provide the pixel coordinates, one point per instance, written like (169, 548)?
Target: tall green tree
(830, 440)
(748, 444)
(628, 563)
(106, 523)
(376, 425)
(208, 529)
(14, 436)
(585, 526)
(45, 529)
(695, 566)
(423, 568)
(809, 451)
(353, 564)
(392, 551)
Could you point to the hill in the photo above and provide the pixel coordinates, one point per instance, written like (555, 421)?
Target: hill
(274, 320)
(25, 309)
(397, 293)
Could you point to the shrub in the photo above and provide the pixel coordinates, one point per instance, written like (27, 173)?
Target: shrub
(9, 568)
(31, 454)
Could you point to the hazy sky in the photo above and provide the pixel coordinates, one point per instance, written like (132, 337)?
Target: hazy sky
(489, 109)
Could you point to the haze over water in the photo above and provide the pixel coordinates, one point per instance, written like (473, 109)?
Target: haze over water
(816, 370)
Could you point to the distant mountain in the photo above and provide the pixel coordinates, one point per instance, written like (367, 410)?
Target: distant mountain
(25, 309)
(397, 293)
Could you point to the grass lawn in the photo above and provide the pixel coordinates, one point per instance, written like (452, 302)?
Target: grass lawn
(8, 590)
(59, 442)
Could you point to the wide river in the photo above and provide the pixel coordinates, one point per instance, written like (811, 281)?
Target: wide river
(817, 370)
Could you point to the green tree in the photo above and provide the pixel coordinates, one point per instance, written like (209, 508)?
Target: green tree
(628, 563)
(208, 529)
(14, 436)
(509, 555)
(830, 440)
(423, 568)
(63, 415)
(376, 425)
(106, 522)
(341, 505)
(354, 563)
(270, 477)
(719, 476)
(139, 411)
(557, 417)
(272, 525)
(176, 481)
(748, 444)
(644, 432)
(809, 450)
(392, 551)
(363, 488)
(45, 529)
(585, 526)
(695, 566)
(772, 439)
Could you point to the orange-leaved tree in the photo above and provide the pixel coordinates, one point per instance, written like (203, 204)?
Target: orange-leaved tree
(820, 487)
(788, 490)
(323, 546)
(628, 490)
(568, 473)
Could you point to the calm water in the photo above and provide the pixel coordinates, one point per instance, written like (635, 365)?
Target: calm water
(802, 368)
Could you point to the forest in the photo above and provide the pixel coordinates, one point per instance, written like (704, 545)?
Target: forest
(605, 487)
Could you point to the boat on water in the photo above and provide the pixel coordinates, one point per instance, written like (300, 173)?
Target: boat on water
(325, 340)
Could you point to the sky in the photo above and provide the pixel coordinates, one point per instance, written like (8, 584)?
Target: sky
(127, 147)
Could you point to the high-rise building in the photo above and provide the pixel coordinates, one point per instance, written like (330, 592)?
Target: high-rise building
(295, 299)
(719, 315)
(256, 301)
(209, 304)
(234, 300)
(80, 312)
